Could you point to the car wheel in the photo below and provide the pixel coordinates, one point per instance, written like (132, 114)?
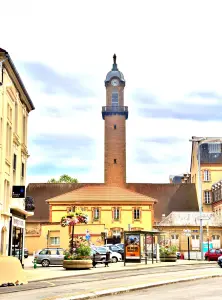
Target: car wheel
(206, 258)
(114, 259)
(26, 256)
(45, 263)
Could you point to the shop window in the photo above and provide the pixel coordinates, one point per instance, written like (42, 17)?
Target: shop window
(195, 242)
(136, 213)
(114, 161)
(114, 126)
(54, 241)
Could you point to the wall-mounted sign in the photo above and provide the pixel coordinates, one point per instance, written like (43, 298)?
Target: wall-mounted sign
(18, 191)
(17, 222)
(132, 247)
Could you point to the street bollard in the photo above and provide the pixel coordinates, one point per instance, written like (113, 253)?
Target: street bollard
(34, 262)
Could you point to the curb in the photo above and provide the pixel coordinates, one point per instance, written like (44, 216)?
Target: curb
(116, 291)
(116, 271)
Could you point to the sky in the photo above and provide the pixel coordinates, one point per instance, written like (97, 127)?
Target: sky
(170, 55)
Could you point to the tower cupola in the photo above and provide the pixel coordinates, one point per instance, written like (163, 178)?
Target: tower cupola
(114, 73)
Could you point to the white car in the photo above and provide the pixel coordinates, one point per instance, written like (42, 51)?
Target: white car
(114, 256)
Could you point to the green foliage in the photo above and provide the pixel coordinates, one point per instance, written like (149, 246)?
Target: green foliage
(168, 250)
(63, 179)
(82, 250)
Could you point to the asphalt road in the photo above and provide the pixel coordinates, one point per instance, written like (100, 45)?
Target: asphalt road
(204, 289)
(78, 285)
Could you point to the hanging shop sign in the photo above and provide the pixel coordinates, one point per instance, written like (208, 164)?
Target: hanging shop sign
(17, 222)
(132, 247)
(18, 191)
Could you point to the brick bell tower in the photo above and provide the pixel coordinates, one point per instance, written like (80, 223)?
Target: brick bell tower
(115, 115)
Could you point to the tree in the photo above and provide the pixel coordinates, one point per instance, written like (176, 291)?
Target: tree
(63, 179)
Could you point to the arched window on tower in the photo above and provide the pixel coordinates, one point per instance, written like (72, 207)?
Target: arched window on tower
(115, 98)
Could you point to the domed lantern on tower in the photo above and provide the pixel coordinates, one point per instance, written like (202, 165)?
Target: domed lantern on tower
(115, 115)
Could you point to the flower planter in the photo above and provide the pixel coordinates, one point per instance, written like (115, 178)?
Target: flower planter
(168, 258)
(77, 264)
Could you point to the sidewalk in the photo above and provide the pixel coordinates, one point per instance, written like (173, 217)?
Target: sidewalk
(57, 272)
(93, 289)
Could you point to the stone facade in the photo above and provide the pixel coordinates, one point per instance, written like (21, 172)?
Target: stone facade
(15, 106)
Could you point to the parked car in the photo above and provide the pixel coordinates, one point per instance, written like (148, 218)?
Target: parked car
(114, 256)
(16, 252)
(213, 254)
(115, 248)
(50, 256)
(219, 261)
(120, 246)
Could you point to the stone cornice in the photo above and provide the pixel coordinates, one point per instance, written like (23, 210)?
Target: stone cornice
(16, 139)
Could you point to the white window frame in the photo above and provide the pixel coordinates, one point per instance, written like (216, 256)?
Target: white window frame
(136, 213)
(56, 240)
(116, 233)
(116, 213)
(206, 175)
(214, 147)
(96, 213)
(207, 197)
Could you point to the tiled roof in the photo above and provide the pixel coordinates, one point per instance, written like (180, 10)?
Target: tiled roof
(104, 194)
(170, 197)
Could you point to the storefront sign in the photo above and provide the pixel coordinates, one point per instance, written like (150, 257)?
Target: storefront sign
(18, 191)
(17, 222)
(132, 247)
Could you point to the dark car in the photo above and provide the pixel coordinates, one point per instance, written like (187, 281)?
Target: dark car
(17, 252)
(213, 254)
(219, 261)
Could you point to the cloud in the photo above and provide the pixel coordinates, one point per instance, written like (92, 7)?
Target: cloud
(53, 82)
(173, 81)
(184, 109)
(53, 170)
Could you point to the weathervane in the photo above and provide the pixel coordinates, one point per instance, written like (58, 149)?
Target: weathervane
(114, 59)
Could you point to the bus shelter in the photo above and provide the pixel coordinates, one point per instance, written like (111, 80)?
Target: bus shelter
(142, 245)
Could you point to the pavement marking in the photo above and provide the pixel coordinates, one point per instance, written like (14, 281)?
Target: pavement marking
(50, 283)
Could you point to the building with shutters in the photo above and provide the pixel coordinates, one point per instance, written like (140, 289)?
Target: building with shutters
(210, 172)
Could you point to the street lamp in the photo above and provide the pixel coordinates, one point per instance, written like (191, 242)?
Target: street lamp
(200, 141)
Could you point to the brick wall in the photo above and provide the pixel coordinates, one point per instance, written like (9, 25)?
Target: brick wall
(115, 148)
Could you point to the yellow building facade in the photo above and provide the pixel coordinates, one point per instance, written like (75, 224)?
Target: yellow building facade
(210, 170)
(111, 211)
(15, 106)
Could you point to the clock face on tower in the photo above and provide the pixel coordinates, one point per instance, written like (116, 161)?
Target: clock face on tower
(115, 82)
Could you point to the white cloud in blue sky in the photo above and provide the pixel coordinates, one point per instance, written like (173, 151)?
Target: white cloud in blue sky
(170, 55)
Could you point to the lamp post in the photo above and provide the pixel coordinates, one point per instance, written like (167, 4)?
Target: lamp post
(199, 142)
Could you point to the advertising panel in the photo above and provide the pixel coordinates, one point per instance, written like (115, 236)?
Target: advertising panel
(132, 247)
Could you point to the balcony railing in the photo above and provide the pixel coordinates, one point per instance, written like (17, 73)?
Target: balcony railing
(115, 110)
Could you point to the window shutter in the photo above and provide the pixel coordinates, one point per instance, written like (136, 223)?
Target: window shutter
(202, 175)
(209, 172)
